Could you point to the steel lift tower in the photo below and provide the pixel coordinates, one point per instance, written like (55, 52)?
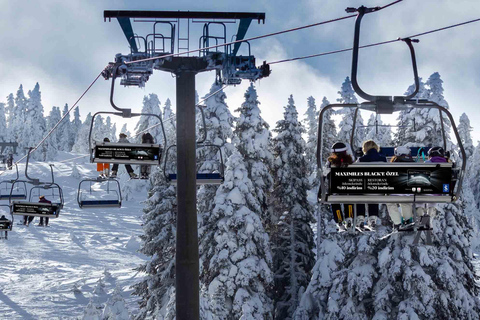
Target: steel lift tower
(167, 48)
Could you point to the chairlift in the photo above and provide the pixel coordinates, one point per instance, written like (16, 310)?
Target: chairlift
(214, 178)
(125, 153)
(18, 193)
(37, 209)
(445, 188)
(89, 198)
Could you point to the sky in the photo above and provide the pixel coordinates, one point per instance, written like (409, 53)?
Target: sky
(63, 45)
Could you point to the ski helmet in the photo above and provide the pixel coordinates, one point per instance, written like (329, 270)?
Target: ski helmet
(338, 147)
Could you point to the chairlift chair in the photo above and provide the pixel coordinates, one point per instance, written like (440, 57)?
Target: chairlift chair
(37, 209)
(125, 153)
(94, 202)
(334, 192)
(19, 192)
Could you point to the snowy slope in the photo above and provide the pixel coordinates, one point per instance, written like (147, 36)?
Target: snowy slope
(40, 267)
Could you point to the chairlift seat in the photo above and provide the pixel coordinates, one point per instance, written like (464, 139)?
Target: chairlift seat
(13, 196)
(127, 153)
(100, 204)
(36, 209)
(202, 178)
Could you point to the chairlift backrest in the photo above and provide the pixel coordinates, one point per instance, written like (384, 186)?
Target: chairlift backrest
(90, 198)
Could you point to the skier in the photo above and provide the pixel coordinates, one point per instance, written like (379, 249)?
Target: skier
(370, 154)
(5, 224)
(435, 155)
(145, 170)
(339, 157)
(123, 139)
(403, 219)
(104, 168)
(43, 200)
(10, 161)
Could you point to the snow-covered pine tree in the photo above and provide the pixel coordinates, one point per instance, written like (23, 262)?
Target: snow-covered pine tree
(473, 174)
(19, 119)
(100, 130)
(3, 123)
(329, 135)
(66, 137)
(113, 133)
(170, 122)
(81, 143)
(55, 139)
(253, 141)
(115, 308)
(125, 130)
(311, 125)
(156, 289)
(381, 135)
(76, 122)
(464, 130)
(151, 105)
(236, 267)
(293, 238)
(347, 95)
(367, 277)
(406, 118)
(10, 110)
(35, 124)
(92, 311)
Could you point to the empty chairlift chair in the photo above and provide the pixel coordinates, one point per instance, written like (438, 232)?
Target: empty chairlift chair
(215, 174)
(99, 193)
(17, 193)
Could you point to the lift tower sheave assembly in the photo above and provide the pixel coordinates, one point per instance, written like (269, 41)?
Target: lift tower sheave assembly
(167, 48)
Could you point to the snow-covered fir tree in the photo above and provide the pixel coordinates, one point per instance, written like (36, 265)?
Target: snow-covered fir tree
(375, 131)
(464, 130)
(236, 267)
(407, 118)
(19, 117)
(347, 96)
(115, 308)
(125, 130)
(151, 104)
(292, 241)
(100, 130)
(92, 311)
(156, 289)
(10, 110)
(367, 277)
(3, 123)
(54, 141)
(329, 130)
(170, 122)
(311, 125)
(81, 143)
(76, 122)
(67, 137)
(473, 174)
(253, 141)
(36, 124)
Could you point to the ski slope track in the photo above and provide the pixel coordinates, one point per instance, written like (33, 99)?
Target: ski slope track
(40, 267)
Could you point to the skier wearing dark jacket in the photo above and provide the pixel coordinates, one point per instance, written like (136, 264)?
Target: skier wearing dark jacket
(370, 150)
(123, 139)
(145, 170)
(43, 200)
(340, 158)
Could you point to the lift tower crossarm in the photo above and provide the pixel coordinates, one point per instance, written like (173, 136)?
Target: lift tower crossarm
(108, 14)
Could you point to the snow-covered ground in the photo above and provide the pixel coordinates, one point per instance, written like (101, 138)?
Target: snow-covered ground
(40, 267)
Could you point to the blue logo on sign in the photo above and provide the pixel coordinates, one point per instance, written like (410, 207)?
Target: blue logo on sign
(446, 187)
(156, 157)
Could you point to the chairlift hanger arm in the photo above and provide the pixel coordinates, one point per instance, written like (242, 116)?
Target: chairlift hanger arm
(356, 43)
